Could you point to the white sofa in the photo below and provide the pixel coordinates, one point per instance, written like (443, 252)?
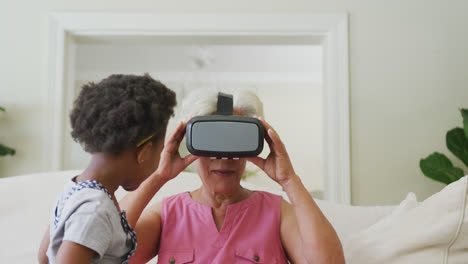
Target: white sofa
(368, 234)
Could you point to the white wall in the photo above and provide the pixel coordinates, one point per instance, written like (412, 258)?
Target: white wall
(408, 65)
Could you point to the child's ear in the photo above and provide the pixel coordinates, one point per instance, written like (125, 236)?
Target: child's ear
(144, 153)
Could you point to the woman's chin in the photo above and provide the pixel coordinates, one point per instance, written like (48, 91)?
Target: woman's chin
(225, 184)
(226, 179)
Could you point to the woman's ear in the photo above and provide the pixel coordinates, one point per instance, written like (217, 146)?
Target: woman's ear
(144, 153)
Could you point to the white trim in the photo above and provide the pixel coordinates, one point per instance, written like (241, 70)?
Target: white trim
(54, 130)
(227, 77)
(68, 97)
(331, 28)
(336, 114)
(89, 24)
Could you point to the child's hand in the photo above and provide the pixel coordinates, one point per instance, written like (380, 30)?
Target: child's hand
(171, 163)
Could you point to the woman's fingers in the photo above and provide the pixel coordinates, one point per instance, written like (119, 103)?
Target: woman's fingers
(181, 130)
(187, 160)
(272, 138)
(268, 139)
(265, 123)
(173, 142)
(277, 143)
(268, 127)
(265, 128)
(260, 162)
(175, 133)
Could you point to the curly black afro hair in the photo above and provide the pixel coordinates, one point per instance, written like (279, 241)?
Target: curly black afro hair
(115, 114)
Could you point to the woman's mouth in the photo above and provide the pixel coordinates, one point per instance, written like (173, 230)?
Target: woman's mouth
(224, 173)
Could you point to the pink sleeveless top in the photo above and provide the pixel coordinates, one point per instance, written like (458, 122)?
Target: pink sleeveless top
(250, 232)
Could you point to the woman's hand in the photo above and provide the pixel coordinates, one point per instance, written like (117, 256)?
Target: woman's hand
(277, 165)
(305, 232)
(171, 163)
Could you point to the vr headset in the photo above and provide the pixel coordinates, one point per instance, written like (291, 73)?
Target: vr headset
(224, 136)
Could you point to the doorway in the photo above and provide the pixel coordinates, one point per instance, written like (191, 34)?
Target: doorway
(299, 72)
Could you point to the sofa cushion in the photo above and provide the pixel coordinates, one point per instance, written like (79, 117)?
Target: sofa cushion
(26, 206)
(433, 231)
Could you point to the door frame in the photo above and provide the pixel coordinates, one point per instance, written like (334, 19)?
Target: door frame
(331, 29)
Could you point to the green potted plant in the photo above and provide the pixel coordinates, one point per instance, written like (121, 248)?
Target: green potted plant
(4, 150)
(437, 166)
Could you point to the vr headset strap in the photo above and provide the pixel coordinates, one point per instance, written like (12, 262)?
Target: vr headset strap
(225, 104)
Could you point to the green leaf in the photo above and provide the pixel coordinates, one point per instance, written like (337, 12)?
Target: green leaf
(465, 126)
(438, 167)
(464, 113)
(457, 143)
(2, 109)
(4, 150)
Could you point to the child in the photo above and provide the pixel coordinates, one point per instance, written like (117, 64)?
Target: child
(122, 122)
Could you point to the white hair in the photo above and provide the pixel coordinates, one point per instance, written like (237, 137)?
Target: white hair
(204, 102)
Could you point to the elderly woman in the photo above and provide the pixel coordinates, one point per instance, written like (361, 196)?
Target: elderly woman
(222, 222)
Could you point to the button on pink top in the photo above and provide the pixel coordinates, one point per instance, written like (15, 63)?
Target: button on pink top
(250, 232)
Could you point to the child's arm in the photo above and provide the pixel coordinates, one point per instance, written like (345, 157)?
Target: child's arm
(72, 253)
(42, 256)
(69, 252)
(170, 165)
